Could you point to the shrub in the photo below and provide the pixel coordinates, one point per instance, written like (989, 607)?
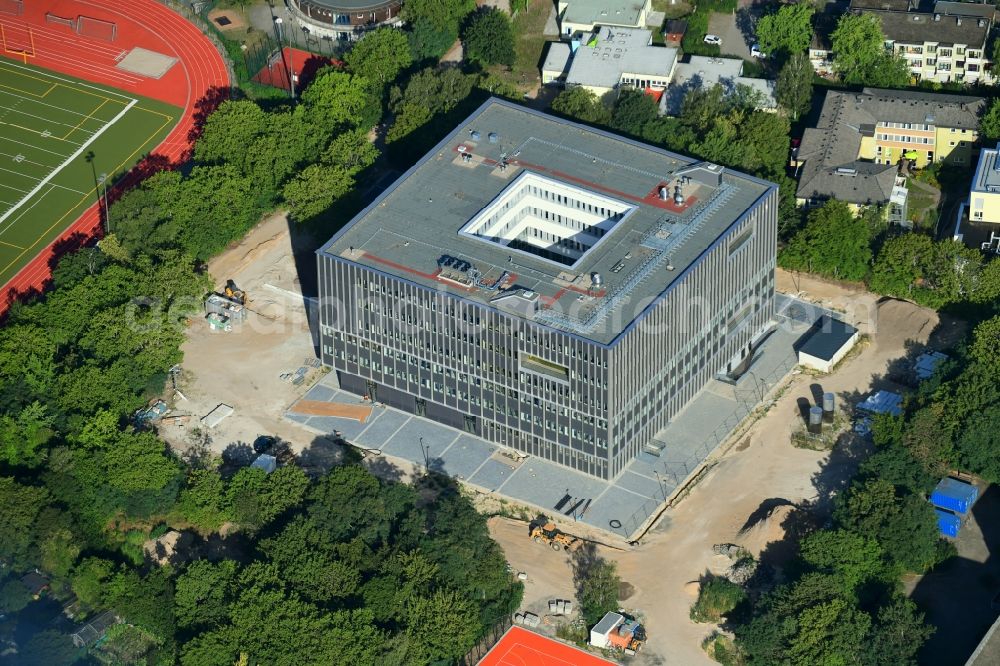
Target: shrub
(716, 599)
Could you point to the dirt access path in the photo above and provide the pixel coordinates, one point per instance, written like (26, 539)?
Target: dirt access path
(761, 471)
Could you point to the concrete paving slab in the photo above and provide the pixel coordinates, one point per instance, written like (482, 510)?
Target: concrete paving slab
(544, 483)
(298, 418)
(382, 428)
(321, 392)
(464, 457)
(491, 475)
(618, 504)
(649, 488)
(406, 442)
(348, 428)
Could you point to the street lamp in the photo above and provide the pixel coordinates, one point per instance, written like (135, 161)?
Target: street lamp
(102, 180)
(425, 450)
(278, 21)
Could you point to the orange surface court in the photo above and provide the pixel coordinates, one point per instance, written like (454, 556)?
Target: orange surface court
(520, 647)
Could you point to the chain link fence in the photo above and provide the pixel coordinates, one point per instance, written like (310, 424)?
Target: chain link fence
(672, 472)
(187, 11)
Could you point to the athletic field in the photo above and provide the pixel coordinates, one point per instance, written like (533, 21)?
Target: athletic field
(58, 137)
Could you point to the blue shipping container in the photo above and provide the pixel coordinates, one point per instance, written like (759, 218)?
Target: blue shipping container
(954, 495)
(948, 523)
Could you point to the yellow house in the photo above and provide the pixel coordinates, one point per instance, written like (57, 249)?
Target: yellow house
(854, 152)
(984, 197)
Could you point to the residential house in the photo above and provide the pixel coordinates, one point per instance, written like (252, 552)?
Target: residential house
(946, 45)
(586, 15)
(853, 152)
(609, 58)
(706, 72)
(978, 223)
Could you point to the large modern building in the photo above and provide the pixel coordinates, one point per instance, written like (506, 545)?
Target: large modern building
(552, 288)
(344, 19)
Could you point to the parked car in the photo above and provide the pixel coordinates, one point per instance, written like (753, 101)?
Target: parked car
(755, 52)
(713, 39)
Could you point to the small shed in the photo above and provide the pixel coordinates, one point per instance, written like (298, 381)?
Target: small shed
(35, 583)
(882, 402)
(954, 495)
(266, 462)
(826, 343)
(673, 32)
(600, 635)
(88, 634)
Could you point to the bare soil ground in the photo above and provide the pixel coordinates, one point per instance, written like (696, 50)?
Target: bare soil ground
(241, 368)
(761, 475)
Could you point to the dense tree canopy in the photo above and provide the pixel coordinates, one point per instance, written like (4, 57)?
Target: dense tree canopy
(793, 89)
(787, 31)
(834, 242)
(380, 56)
(488, 37)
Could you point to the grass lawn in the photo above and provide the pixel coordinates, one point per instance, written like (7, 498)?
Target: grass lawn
(922, 205)
(49, 125)
(528, 30)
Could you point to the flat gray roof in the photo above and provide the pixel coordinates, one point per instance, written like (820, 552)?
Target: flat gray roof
(988, 172)
(602, 59)
(412, 230)
(707, 72)
(603, 12)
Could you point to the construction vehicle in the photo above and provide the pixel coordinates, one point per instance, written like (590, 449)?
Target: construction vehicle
(549, 534)
(234, 293)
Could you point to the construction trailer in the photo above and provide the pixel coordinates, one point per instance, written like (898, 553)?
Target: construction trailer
(949, 524)
(618, 631)
(954, 495)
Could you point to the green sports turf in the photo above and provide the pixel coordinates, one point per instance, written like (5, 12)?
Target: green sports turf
(48, 125)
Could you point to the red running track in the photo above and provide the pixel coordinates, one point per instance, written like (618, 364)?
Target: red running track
(196, 83)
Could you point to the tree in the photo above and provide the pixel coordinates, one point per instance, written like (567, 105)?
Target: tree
(314, 190)
(854, 558)
(793, 89)
(47, 647)
(442, 627)
(429, 42)
(88, 580)
(488, 38)
(204, 593)
(581, 104)
(985, 342)
(336, 100)
(19, 508)
(380, 56)
(898, 634)
(597, 588)
(830, 633)
(860, 55)
(787, 31)
(633, 111)
(834, 243)
(717, 597)
(255, 498)
(442, 14)
(989, 125)
(22, 439)
(13, 596)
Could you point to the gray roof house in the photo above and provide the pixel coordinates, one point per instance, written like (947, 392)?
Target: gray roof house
(839, 159)
(706, 72)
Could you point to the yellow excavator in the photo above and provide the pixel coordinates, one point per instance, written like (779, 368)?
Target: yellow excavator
(234, 293)
(550, 535)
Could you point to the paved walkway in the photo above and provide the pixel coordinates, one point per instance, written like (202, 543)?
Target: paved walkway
(620, 506)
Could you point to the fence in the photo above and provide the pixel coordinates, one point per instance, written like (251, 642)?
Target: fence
(674, 472)
(194, 17)
(486, 643)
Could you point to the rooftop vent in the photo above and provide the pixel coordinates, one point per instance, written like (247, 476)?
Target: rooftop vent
(493, 137)
(475, 135)
(958, 20)
(937, 17)
(849, 171)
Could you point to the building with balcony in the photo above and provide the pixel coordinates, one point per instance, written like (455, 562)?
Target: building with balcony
(940, 47)
(555, 289)
(947, 45)
(586, 15)
(344, 19)
(854, 151)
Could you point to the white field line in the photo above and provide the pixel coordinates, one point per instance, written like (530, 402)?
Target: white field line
(77, 84)
(79, 151)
